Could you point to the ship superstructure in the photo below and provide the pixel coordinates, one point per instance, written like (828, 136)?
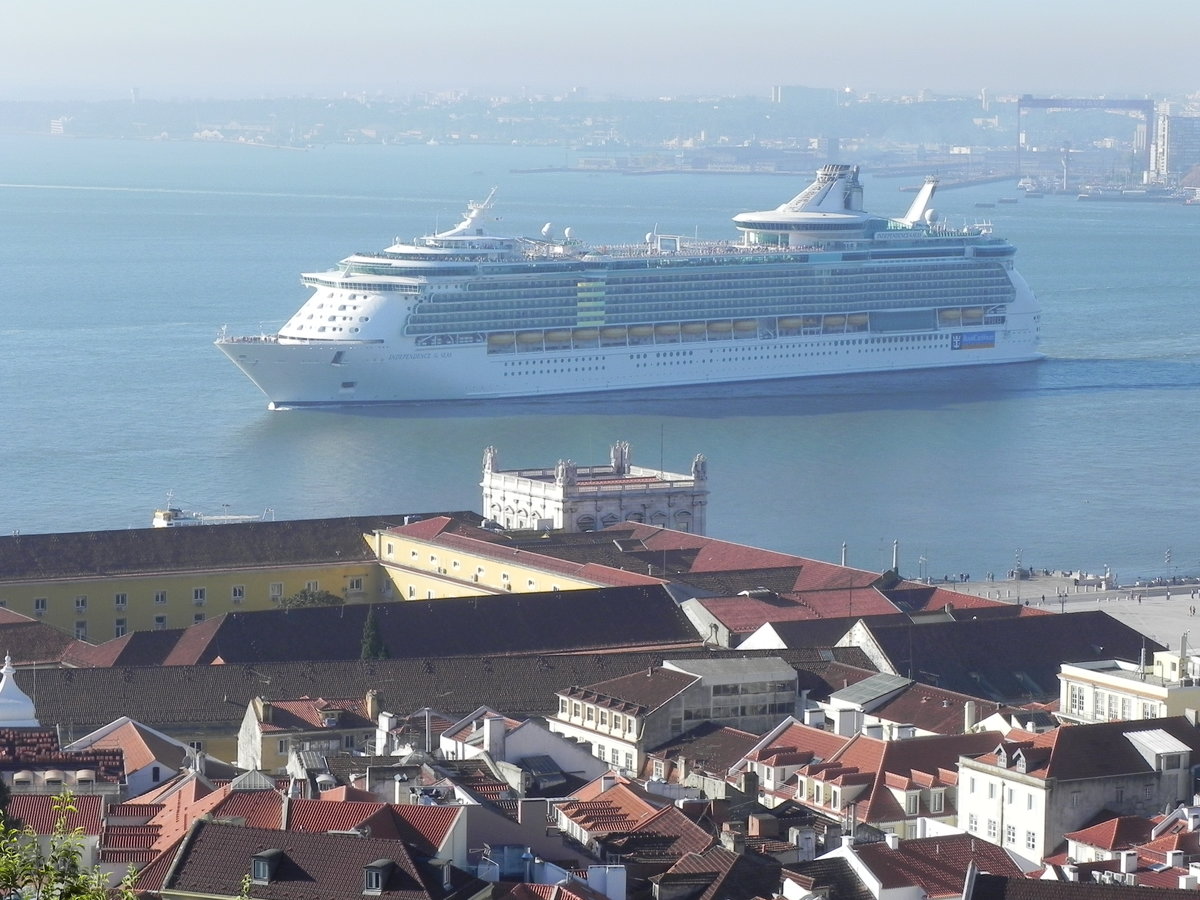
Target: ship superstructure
(817, 286)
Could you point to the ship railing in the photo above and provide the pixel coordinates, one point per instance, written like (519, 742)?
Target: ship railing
(250, 339)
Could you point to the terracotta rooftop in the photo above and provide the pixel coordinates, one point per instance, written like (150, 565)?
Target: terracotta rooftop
(37, 811)
(1091, 751)
(636, 693)
(718, 873)
(946, 654)
(878, 759)
(151, 550)
(1120, 833)
(664, 836)
(1000, 887)
(307, 713)
(316, 866)
(548, 622)
(936, 865)
(708, 747)
(38, 748)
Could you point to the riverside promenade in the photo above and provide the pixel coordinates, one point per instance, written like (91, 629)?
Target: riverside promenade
(1161, 612)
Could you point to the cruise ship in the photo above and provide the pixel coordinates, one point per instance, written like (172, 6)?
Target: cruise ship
(817, 286)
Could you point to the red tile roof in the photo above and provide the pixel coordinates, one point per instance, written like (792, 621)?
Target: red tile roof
(936, 865)
(214, 859)
(618, 809)
(637, 693)
(745, 614)
(878, 759)
(307, 713)
(39, 812)
(1091, 751)
(1121, 833)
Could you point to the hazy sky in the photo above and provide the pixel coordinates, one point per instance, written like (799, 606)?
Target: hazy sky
(241, 48)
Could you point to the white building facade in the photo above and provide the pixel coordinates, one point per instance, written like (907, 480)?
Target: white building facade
(575, 498)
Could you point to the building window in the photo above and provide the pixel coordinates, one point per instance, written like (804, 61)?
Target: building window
(355, 585)
(659, 768)
(600, 751)
(1149, 710)
(412, 591)
(81, 631)
(1074, 798)
(616, 756)
(991, 791)
(120, 600)
(589, 713)
(1076, 700)
(281, 746)
(971, 785)
(39, 606)
(604, 717)
(1030, 840)
(196, 745)
(1120, 795)
(1008, 796)
(160, 623)
(911, 804)
(937, 801)
(575, 710)
(372, 881)
(629, 760)
(119, 628)
(276, 590)
(347, 742)
(312, 585)
(991, 829)
(562, 706)
(237, 593)
(198, 595)
(198, 618)
(618, 721)
(81, 603)
(1029, 802)
(160, 597)
(1010, 834)
(973, 823)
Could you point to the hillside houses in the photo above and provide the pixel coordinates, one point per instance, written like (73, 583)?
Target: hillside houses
(629, 713)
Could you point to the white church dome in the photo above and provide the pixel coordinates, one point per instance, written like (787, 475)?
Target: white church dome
(16, 709)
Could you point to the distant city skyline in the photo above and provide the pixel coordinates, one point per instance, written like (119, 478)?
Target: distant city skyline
(64, 49)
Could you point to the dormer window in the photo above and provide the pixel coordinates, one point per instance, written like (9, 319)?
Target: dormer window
(263, 865)
(375, 876)
(937, 800)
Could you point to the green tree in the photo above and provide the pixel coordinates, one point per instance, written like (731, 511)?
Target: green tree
(309, 597)
(373, 646)
(56, 871)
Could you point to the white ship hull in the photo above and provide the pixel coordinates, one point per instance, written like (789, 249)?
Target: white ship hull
(303, 375)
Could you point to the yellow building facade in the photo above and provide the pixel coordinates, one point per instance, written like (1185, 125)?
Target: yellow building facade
(101, 585)
(424, 562)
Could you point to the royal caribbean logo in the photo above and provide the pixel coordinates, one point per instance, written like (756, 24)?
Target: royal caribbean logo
(972, 340)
